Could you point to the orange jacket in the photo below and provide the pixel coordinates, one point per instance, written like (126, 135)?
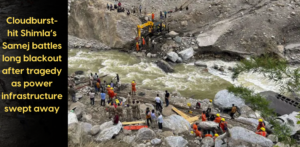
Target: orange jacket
(204, 117)
(260, 124)
(198, 133)
(98, 85)
(152, 16)
(144, 42)
(222, 125)
(133, 86)
(217, 119)
(261, 133)
(195, 127)
(137, 47)
(208, 135)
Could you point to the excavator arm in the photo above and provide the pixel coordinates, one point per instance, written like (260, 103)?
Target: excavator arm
(140, 27)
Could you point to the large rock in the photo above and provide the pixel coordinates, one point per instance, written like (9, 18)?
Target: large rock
(243, 135)
(201, 64)
(224, 100)
(208, 125)
(207, 142)
(87, 21)
(72, 118)
(172, 33)
(165, 66)
(145, 134)
(167, 133)
(246, 111)
(94, 130)
(155, 141)
(186, 54)
(176, 123)
(273, 138)
(176, 141)
(177, 39)
(167, 111)
(172, 56)
(74, 133)
(291, 121)
(128, 139)
(86, 127)
(108, 130)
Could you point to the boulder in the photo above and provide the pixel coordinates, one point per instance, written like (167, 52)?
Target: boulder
(78, 111)
(86, 127)
(143, 109)
(73, 106)
(155, 141)
(208, 125)
(172, 56)
(176, 141)
(291, 121)
(207, 142)
(201, 64)
(165, 66)
(94, 130)
(108, 130)
(246, 111)
(172, 33)
(184, 23)
(176, 123)
(167, 133)
(243, 135)
(128, 139)
(127, 132)
(149, 55)
(179, 60)
(177, 39)
(72, 118)
(74, 133)
(273, 138)
(225, 99)
(186, 54)
(167, 111)
(145, 134)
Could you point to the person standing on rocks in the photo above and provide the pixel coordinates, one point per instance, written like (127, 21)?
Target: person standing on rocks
(102, 98)
(108, 88)
(218, 118)
(138, 111)
(204, 116)
(129, 98)
(152, 16)
(120, 110)
(133, 89)
(233, 111)
(92, 97)
(72, 92)
(129, 113)
(153, 117)
(167, 96)
(91, 80)
(144, 42)
(119, 4)
(133, 106)
(116, 119)
(148, 116)
(198, 133)
(107, 6)
(95, 77)
(137, 46)
(111, 84)
(160, 121)
(140, 9)
(261, 124)
(262, 132)
(98, 87)
(158, 103)
(165, 14)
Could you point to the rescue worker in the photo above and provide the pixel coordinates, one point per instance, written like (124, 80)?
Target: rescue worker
(262, 132)
(204, 116)
(72, 92)
(134, 106)
(116, 119)
(129, 113)
(102, 95)
(129, 98)
(261, 124)
(165, 14)
(119, 4)
(190, 108)
(195, 126)
(223, 125)
(167, 96)
(137, 46)
(148, 116)
(158, 103)
(152, 16)
(233, 111)
(111, 93)
(144, 42)
(98, 86)
(198, 133)
(91, 80)
(160, 120)
(218, 118)
(112, 110)
(92, 97)
(215, 136)
(120, 110)
(108, 88)
(133, 89)
(208, 135)
(138, 111)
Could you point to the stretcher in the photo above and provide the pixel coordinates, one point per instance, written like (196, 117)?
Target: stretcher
(134, 127)
(133, 122)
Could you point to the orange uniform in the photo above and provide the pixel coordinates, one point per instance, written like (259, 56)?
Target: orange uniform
(262, 133)
(208, 135)
(137, 47)
(260, 124)
(152, 16)
(144, 42)
(217, 119)
(203, 117)
(111, 93)
(195, 127)
(98, 85)
(198, 133)
(107, 89)
(133, 86)
(222, 125)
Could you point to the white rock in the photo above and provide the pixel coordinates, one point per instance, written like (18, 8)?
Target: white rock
(145, 134)
(207, 142)
(208, 125)
(176, 123)
(128, 139)
(186, 54)
(176, 141)
(155, 141)
(293, 13)
(94, 130)
(108, 130)
(273, 138)
(72, 118)
(172, 33)
(224, 100)
(172, 56)
(86, 127)
(291, 121)
(184, 23)
(149, 55)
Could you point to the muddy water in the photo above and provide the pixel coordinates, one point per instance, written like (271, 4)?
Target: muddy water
(189, 80)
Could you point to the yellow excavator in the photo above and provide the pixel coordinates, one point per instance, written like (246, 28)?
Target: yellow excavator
(150, 24)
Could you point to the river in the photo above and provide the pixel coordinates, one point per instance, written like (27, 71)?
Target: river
(188, 80)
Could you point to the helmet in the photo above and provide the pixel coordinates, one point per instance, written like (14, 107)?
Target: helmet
(216, 135)
(189, 104)
(263, 129)
(108, 86)
(223, 119)
(210, 100)
(260, 120)
(218, 114)
(132, 81)
(111, 88)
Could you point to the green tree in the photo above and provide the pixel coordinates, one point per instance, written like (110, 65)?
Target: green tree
(274, 69)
